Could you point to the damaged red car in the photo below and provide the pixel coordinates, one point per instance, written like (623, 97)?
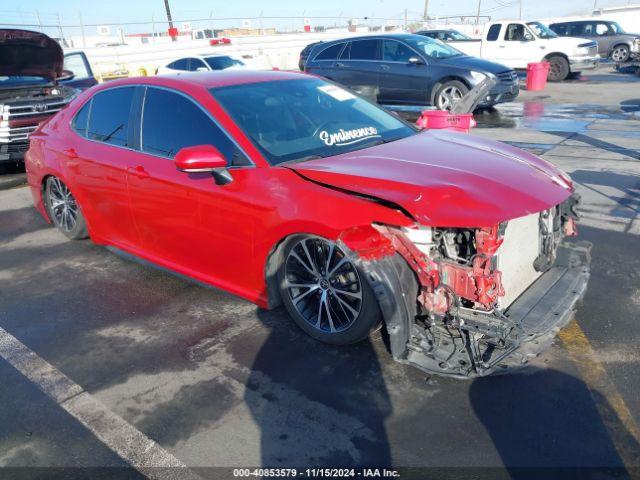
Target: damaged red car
(283, 188)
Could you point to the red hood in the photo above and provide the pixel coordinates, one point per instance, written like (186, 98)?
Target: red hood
(23, 52)
(446, 179)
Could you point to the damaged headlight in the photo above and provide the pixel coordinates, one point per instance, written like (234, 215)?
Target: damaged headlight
(421, 237)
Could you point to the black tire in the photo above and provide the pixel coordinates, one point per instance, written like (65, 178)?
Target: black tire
(559, 69)
(368, 317)
(450, 85)
(56, 188)
(620, 53)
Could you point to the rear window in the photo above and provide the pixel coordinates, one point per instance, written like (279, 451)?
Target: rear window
(330, 53)
(365, 50)
(109, 120)
(494, 32)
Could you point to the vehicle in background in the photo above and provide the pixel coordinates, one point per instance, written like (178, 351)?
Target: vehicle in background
(31, 73)
(444, 35)
(304, 54)
(516, 44)
(613, 41)
(283, 188)
(77, 63)
(409, 70)
(201, 63)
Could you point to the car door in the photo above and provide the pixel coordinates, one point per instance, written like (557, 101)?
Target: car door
(605, 36)
(358, 65)
(401, 81)
(185, 220)
(99, 159)
(519, 46)
(323, 62)
(77, 63)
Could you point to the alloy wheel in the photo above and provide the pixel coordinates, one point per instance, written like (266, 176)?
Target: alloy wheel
(448, 97)
(619, 54)
(323, 285)
(64, 208)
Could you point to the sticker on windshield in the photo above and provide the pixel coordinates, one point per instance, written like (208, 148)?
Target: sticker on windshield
(336, 92)
(347, 137)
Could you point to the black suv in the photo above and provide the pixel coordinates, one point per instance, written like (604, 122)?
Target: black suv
(406, 69)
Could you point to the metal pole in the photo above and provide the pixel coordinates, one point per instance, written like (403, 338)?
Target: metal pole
(84, 41)
(38, 18)
(595, 4)
(520, 13)
(153, 28)
(405, 19)
(425, 17)
(478, 14)
(166, 7)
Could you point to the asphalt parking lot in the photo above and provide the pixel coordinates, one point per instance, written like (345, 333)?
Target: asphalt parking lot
(205, 379)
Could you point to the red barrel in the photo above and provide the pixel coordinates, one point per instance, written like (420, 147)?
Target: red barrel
(537, 75)
(441, 119)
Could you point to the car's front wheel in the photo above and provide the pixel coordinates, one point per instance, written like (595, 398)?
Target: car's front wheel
(63, 209)
(558, 68)
(449, 93)
(620, 53)
(325, 293)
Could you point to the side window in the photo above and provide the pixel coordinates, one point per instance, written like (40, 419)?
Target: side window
(79, 123)
(602, 29)
(181, 64)
(195, 64)
(109, 120)
(190, 126)
(75, 63)
(330, 53)
(346, 52)
(559, 29)
(514, 32)
(494, 32)
(365, 50)
(393, 51)
(588, 29)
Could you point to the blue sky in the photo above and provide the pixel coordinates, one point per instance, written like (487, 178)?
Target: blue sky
(108, 11)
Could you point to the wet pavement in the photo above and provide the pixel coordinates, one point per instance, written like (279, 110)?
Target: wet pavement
(215, 381)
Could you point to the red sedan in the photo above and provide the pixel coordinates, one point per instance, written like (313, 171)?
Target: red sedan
(286, 189)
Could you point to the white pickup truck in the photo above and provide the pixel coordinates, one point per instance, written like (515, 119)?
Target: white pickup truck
(515, 44)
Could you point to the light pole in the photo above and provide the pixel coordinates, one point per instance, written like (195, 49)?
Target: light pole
(166, 7)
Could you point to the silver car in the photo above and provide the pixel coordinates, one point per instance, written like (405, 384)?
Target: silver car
(613, 41)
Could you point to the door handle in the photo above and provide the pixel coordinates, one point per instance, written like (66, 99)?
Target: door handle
(70, 152)
(139, 172)
(385, 67)
(501, 46)
(340, 64)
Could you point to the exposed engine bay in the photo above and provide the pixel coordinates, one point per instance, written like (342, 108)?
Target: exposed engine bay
(486, 299)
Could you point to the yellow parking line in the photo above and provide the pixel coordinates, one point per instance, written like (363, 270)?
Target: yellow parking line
(614, 412)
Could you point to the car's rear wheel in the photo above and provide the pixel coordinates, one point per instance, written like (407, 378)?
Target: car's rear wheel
(325, 293)
(620, 53)
(449, 93)
(63, 209)
(558, 68)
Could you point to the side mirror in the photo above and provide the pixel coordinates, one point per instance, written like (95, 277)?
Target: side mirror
(528, 37)
(203, 158)
(66, 75)
(416, 61)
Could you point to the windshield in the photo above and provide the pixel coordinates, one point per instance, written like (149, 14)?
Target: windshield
(458, 36)
(615, 26)
(222, 63)
(541, 30)
(301, 119)
(432, 48)
(20, 80)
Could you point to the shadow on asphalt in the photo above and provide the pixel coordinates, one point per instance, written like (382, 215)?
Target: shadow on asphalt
(551, 420)
(339, 387)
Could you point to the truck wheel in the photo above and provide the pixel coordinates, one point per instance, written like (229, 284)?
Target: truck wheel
(325, 293)
(558, 68)
(620, 53)
(63, 209)
(449, 93)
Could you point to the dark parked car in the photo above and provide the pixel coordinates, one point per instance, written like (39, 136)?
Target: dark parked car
(613, 41)
(407, 69)
(304, 54)
(444, 35)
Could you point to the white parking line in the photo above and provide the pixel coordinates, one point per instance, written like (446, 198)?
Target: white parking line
(130, 444)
